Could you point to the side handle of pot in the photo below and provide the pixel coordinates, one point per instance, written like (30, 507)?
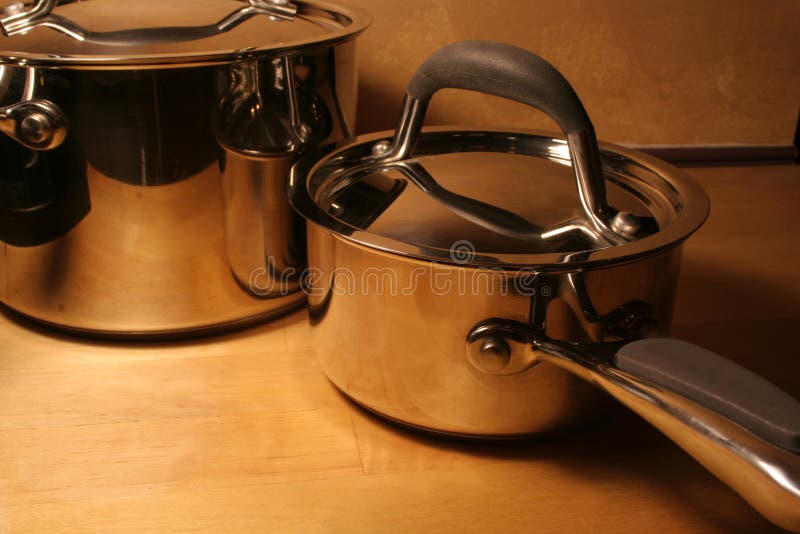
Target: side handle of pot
(741, 427)
(36, 124)
(45, 193)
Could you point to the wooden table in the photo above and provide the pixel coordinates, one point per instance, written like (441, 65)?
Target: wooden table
(244, 433)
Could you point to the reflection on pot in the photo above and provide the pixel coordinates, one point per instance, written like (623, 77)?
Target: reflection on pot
(146, 127)
(426, 380)
(43, 192)
(269, 107)
(268, 112)
(179, 199)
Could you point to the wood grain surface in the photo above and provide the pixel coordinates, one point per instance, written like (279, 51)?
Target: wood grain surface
(243, 433)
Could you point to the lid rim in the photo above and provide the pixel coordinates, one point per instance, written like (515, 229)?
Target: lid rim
(695, 210)
(360, 21)
(535, 267)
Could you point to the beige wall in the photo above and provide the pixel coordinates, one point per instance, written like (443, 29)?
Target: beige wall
(648, 71)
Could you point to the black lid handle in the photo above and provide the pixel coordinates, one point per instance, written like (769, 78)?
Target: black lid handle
(502, 70)
(517, 74)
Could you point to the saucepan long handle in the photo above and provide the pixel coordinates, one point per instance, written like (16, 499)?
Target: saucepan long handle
(741, 427)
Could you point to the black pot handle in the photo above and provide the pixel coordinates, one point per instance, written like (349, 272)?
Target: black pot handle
(519, 75)
(741, 427)
(718, 384)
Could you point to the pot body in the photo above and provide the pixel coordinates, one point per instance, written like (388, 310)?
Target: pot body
(137, 223)
(391, 333)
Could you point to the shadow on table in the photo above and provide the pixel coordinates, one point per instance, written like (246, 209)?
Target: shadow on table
(187, 339)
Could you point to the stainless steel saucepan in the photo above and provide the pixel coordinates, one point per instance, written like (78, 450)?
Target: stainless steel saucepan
(459, 284)
(146, 152)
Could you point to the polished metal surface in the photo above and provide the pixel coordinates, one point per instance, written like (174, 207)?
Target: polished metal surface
(625, 223)
(160, 208)
(531, 215)
(587, 168)
(272, 108)
(585, 162)
(265, 241)
(494, 354)
(13, 8)
(390, 332)
(582, 146)
(381, 147)
(144, 261)
(661, 209)
(500, 349)
(171, 33)
(409, 126)
(41, 14)
(17, 19)
(767, 476)
(35, 123)
(474, 300)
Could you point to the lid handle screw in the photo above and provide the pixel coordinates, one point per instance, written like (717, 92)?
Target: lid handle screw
(625, 223)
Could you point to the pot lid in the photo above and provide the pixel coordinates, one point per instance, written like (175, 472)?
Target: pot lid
(488, 197)
(120, 32)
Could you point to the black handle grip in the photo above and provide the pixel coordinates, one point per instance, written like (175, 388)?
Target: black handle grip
(502, 70)
(717, 383)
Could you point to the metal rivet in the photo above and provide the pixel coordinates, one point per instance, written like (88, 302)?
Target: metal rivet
(336, 210)
(36, 127)
(625, 223)
(380, 148)
(495, 354)
(632, 320)
(13, 8)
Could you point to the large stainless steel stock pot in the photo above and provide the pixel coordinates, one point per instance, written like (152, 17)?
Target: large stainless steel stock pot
(459, 282)
(146, 151)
